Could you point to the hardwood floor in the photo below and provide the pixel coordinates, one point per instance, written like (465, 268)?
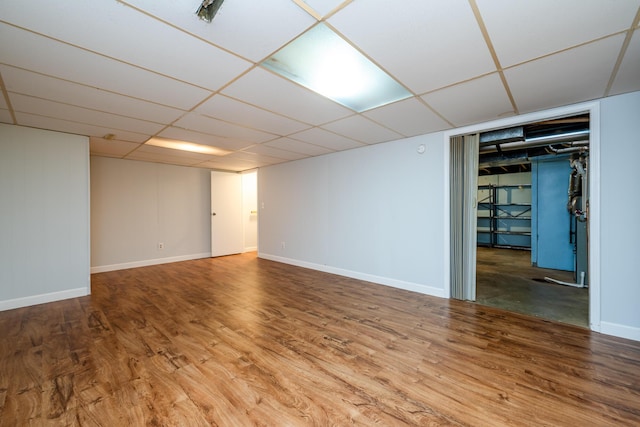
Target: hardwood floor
(238, 341)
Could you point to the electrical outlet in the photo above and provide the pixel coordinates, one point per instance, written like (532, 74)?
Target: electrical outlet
(283, 245)
(160, 245)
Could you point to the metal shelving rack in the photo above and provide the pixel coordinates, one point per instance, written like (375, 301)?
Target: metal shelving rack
(503, 225)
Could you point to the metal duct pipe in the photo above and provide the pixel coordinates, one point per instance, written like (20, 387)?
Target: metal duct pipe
(579, 147)
(539, 141)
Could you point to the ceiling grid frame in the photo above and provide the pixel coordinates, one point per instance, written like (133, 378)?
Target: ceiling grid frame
(264, 32)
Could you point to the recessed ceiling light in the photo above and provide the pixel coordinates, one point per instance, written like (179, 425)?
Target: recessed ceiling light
(175, 144)
(324, 62)
(208, 9)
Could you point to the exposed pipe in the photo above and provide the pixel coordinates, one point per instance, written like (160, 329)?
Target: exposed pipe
(573, 149)
(575, 285)
(572, 137)
(564, 137)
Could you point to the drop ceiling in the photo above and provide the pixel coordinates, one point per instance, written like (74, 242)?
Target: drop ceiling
(122, 72)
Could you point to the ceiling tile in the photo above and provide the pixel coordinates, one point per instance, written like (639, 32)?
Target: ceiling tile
(199, 123)
(136, 68)
(203, 138)
(475, 101)
(362, 129)
(41, 122)
(56, 110)
(261, 159)
(431, 34)
(326, 139)
(266, 90)
(323, 7)
(44, 56)
(228, 165)
(28, 83)
(572, 76)
(234, 111)
(154, 154)
(136, 39)
(5, 116)
(111, 148)
(162, 158)
(274, 152)
(162, 151)
(628, 77)
(521, 31)
(298, 147)
(253, 29)
(409, 118)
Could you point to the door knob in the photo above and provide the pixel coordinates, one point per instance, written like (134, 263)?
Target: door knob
(213, 214)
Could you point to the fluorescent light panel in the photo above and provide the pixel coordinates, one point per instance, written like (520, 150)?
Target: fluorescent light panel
(175, 144)
(324, 62)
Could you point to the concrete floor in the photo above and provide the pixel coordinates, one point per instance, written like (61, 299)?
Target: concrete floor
(506, 279)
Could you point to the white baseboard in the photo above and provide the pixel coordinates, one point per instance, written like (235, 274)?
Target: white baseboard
(621, 331)
(147, 262)
(43, 298)
(400, 284)
(251, 249)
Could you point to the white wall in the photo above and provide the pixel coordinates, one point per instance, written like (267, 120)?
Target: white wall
(620, 204)
(373, 213)
(377, 213)
(137, 205)
(44, 216)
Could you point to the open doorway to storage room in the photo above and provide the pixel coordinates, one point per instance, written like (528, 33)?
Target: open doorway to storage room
(532, 215)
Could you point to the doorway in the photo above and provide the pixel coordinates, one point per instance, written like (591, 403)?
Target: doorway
(533, 219)
(234, 222)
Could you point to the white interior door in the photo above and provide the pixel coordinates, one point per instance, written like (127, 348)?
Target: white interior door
(226, 214)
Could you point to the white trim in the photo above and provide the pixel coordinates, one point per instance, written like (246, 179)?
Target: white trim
(622, 331)
(147, 262)
(593, 108)
(88, 182)
(594, 219)
(250, 249)
(42, 298)
(447, 215)
(400, 284)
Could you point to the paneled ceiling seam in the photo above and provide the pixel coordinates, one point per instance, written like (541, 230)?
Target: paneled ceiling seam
(318, 145)
(311, 11)
(101, 89)
(109, 57)
(193, 108)
(623, 51)
(330, 131)
(240, 125)
(494, 55)
(547, 55)
(84, 108)
(84, 123)
(264, 109)
(5, 94)
(182, 30)
(436, 112)
(314, 13)
(382, 125)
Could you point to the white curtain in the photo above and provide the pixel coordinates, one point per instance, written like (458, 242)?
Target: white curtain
(463, 196)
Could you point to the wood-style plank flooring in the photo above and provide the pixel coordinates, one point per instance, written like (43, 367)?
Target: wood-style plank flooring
(238, 340)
